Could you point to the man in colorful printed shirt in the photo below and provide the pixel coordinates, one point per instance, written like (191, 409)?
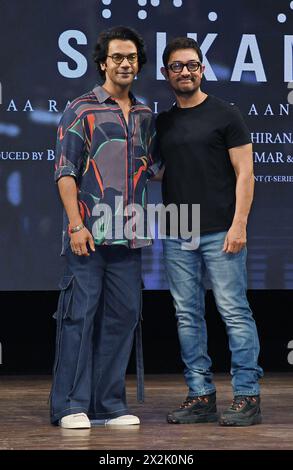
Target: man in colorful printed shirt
(103, 161)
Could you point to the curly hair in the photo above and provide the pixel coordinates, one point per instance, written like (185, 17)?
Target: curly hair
(117, 32)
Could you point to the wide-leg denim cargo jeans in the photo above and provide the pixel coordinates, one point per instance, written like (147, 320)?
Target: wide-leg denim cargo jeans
(98, 312)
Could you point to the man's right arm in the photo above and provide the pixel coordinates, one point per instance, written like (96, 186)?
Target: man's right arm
(68, 163)
(68, 193)
(78, 240)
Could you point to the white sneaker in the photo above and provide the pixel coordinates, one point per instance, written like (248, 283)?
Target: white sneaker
(76, 421)
(124, 420)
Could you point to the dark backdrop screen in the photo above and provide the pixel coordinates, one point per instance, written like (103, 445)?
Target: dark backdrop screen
(46, 61)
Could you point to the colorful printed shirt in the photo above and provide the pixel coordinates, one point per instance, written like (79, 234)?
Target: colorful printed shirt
(111, 162)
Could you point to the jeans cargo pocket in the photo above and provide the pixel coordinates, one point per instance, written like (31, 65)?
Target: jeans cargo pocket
(63, 309)
(65, 297)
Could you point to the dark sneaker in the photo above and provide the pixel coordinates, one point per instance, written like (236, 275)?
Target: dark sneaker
(244, 411)
(195, 410)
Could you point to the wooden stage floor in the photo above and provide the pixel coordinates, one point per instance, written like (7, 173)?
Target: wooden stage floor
(25, 424)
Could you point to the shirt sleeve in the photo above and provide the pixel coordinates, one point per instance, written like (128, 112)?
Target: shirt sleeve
(69, 146)
(154, 160)
(237, 132)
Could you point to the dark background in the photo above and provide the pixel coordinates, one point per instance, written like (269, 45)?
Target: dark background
(28, 330)
(30, 222)
(31, 212)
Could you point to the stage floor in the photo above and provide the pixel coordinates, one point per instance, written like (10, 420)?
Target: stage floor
(25, 423)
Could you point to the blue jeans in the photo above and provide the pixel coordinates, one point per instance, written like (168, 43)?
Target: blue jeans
(227, 275)
(98, 312)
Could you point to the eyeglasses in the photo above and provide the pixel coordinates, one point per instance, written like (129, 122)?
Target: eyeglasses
(118, 58)
(192, 66)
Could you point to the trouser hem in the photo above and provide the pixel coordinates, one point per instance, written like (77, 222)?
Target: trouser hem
(109, 415)
(68, 411)
(201, 392)
(247, 393)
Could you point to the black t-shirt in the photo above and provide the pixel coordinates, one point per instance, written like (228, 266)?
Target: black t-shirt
(193, 144)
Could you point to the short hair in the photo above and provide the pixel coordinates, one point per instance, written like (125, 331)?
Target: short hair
(180, 43)
(118, 32)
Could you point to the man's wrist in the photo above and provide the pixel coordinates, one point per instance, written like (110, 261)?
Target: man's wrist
(240, 220)
(76, 228)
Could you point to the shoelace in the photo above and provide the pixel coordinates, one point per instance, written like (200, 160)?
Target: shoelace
(239, 402)
(190, 400)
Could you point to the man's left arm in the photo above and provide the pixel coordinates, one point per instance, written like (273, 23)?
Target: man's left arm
(242, 161)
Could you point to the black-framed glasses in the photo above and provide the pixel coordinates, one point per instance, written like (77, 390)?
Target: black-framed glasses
(118, 58)
(177, 67)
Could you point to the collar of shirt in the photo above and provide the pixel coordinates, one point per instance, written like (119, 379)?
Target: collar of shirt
(102, 96)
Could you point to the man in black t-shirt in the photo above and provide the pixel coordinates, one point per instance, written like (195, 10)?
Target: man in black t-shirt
(207, 154)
